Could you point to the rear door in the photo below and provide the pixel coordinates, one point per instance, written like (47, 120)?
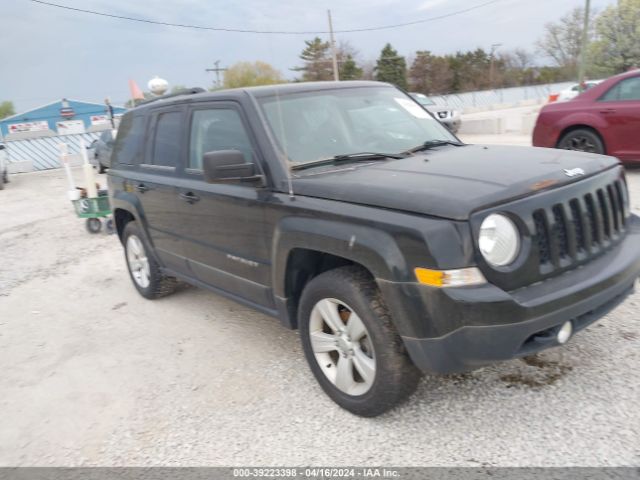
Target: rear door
(225, 239)
(155, 184)
(620, 109)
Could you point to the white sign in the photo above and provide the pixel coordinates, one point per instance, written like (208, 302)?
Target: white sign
(69, 127)
(40, 126)
(100, 120)
(412, 107)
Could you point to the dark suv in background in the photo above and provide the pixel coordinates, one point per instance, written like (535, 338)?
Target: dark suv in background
(347, 211)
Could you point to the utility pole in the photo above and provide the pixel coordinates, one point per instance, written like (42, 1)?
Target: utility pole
(494, 47)
(585, 41)
(334, 55)
(217, 70)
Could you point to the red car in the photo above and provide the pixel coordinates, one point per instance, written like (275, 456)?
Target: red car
(604, 119)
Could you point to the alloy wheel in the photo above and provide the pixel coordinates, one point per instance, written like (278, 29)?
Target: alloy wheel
(342, 346)
(138, 262)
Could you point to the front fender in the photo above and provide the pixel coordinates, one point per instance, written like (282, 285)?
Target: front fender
(376, 250)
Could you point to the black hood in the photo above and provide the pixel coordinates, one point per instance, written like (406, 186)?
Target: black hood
(451, 182)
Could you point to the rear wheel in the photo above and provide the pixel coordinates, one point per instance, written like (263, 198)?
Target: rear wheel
(351, 345)
(143, 268)
(582, 140)
(93, 225)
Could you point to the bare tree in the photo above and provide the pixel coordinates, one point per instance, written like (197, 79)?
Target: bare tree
(562, 40)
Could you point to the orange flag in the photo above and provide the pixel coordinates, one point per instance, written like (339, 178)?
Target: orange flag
(136, 93)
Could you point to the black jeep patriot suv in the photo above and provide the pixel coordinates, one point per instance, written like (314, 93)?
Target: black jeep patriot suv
(347, 211)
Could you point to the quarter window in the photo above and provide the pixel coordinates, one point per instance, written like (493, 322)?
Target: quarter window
(130, 139)
(627, 89)
(217, 129)
(166, 143)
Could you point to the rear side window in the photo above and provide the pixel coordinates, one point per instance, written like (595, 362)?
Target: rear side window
(166, 141)
(627, 89)
(217, 129)
(130, 139)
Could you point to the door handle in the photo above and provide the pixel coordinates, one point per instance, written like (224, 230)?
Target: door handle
(189, 197)
(141, 187)
(608, 110)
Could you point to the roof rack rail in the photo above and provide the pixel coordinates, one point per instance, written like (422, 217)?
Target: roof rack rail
(185, 91)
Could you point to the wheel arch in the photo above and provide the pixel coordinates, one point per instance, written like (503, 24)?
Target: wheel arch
(581, 126)
(305, 248)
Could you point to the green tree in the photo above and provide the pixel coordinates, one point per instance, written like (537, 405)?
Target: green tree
(251, 74)
(617, 45)
(429, 74)
(470, 70)
(317, 61)
(562, 40)
(349, 69)
(6, 109)
(391, 67)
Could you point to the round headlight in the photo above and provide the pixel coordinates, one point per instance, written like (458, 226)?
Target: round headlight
(499, 240)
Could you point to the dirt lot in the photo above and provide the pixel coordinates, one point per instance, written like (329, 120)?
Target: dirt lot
(93, 374)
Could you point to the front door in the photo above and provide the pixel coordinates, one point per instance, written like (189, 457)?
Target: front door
(224, 238)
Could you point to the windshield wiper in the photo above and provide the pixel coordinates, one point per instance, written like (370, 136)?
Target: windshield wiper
(349, 157)
(431, 144)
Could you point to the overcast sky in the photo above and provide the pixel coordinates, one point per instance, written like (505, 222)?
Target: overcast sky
(48, 53)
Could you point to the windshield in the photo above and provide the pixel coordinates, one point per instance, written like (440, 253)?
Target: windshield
(317, 125)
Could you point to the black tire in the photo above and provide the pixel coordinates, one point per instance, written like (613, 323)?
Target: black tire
(396, 378)
(101, 168)
(582, 140)
(93, 225)
(159, 285)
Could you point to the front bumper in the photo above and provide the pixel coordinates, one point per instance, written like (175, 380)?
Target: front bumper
(460, 329)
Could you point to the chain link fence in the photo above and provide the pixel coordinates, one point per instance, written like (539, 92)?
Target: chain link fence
(506, 96)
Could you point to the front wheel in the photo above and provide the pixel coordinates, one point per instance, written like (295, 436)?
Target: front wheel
(351, 345)
(582, 140)
(93, 225)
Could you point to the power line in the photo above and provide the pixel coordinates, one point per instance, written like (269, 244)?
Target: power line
(270, 32)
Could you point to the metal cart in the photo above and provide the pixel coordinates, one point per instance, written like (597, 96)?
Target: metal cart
(95, 209)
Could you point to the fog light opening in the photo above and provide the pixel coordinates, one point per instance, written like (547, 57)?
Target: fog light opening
(564, 333)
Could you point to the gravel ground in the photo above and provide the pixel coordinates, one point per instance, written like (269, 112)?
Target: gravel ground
(93, 374)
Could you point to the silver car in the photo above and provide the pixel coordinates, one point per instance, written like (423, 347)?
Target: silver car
(447, 116)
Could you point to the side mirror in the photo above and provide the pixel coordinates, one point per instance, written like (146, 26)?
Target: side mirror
(228, 166)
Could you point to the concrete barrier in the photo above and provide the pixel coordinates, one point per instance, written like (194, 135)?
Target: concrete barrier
(482, 126)
(529, 123)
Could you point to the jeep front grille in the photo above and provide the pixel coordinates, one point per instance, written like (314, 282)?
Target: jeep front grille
(580, 228)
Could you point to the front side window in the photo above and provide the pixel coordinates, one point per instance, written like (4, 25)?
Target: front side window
(166, 142)
(217, 129)
(318, 125)
(627, 89)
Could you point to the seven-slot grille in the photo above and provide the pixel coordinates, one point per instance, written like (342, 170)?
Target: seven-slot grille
(581, 228)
